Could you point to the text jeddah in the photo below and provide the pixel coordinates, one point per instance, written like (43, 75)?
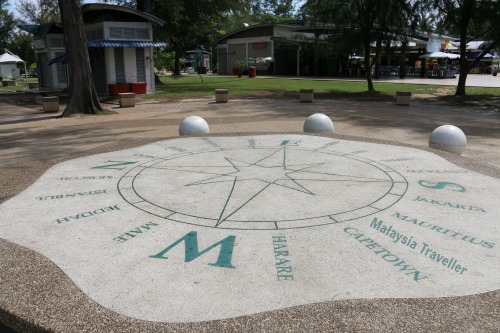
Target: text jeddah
(88, 214)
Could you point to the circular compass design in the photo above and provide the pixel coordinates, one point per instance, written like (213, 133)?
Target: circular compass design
(262, 188)
(263, 211)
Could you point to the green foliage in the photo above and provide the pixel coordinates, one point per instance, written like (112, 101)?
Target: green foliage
(253, 12)
(38, 11)
(278, 8)
(7, 23)
(20, 45)
(471, 20)
(480, 19)
(241, 65)
(364, 21)
(189, 22)
(164, 59)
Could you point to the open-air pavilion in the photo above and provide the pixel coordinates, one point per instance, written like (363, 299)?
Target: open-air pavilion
(8, 65)
(299, 48)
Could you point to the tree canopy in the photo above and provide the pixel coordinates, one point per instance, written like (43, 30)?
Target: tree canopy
(7, 23)
(369, 21)
(364, 21)
(471, 20)
(38, 11)
(194, 23)
(21, 45)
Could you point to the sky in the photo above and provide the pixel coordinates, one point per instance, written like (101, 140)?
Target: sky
(12, 6)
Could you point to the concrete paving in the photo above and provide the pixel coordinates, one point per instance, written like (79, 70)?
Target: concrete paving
(113, 223)
(315, 219)
(473, 80)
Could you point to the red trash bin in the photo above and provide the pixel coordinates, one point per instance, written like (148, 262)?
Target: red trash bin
(117, 88)
(252, 71)
(138, 87)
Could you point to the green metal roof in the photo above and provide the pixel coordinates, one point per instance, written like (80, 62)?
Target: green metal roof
(41, 29)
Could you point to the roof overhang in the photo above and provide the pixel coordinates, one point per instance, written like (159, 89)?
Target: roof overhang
(291, 41)
(125, 44)
(42, 29)
(89, 7)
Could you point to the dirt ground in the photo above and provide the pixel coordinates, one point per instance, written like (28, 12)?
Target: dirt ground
(28, 136)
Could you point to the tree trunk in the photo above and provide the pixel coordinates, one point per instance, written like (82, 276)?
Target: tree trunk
(465, 19)
(368, 66)
(423, 68)
(177, 51)
(378, 60)
(316, 55)
(462, 78)
(82, 94)
(402, 66)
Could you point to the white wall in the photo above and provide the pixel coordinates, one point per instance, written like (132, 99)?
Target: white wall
(150, 69)
(6, 70)
(110, 65)
(130, 66)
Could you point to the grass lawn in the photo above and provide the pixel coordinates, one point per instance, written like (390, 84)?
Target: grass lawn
(20, 85)
(192, 85)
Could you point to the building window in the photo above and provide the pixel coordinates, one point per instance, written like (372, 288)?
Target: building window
(57, 42)
(95, 34)
(121, 33)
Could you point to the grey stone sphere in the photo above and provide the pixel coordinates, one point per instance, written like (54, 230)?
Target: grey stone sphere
(318, 123)
(448, 138)
(193, 125)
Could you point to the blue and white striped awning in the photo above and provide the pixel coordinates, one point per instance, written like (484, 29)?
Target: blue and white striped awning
(126, 44)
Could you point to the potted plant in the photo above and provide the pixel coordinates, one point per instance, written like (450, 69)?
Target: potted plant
(241, 65)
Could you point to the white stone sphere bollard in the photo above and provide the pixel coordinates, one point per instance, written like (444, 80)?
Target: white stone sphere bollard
(318, 123)
(448, 138)
(193, 125)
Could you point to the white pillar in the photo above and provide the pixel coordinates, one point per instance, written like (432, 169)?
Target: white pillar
(246, 54)
(272, 57)
(298, 60)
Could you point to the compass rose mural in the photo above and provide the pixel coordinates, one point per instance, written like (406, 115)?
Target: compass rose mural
(197, 229)
(263, 188)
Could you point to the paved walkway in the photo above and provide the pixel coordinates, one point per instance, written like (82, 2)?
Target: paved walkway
(83, 292)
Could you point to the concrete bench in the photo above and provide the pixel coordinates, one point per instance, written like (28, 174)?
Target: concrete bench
(306, 95)
(50, 104)
(9, 83)
(403, 97)
(221, 95)
(127, 100)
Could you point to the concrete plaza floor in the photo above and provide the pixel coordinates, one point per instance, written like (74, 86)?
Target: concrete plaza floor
(37, 295)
